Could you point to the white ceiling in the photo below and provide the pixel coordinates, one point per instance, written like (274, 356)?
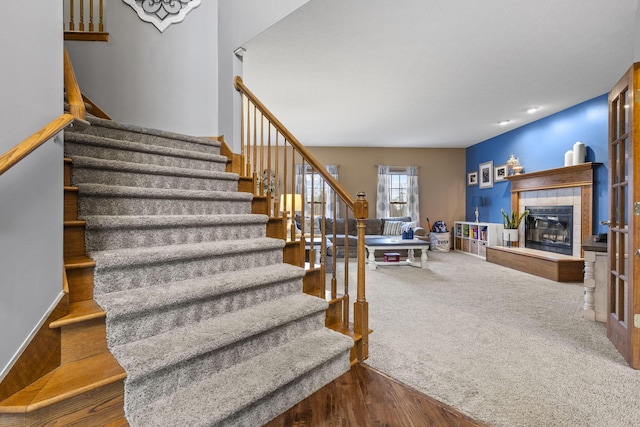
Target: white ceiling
(434, 73)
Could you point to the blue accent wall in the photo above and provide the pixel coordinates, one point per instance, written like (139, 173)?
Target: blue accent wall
(541, 145)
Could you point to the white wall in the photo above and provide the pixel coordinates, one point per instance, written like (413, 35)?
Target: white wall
(31, 192)
(165, 80)
(636, 50)
(240, 21)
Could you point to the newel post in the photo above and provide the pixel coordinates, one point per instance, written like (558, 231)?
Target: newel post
(361, 306)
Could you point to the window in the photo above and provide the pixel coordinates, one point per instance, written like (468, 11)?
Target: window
(397, 193)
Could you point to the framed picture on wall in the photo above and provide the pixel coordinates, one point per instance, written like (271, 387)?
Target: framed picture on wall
(501, 172)
(486, 174)
(472, 178)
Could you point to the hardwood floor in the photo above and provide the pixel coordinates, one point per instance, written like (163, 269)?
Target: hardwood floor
(365, 397)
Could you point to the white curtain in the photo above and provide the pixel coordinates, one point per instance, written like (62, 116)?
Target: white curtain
(299, 177)
(413, 201)
(329, 193)
(382, 195)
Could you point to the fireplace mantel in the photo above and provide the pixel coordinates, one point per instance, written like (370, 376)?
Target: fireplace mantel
(569, 176)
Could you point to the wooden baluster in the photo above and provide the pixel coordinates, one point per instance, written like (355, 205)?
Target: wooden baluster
(334, 250)
(101, 23)
(81, 15)
(361, 306)
(91, 28)
(276, 196)
(72, 24)
(261, 168)
(255, 139)
(269, 195)
(242, 125)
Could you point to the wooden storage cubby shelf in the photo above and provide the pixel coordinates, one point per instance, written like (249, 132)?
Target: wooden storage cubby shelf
(474, 237)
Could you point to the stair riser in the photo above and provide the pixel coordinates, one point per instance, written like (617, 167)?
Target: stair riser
(118, 238)
(70, 205)
(150, 139)
(80, 284)
(67, 172)
(139, 276)
(132, 179)
(83, 339)
(108, 153)
(73, 241)
(101, 205)
(146, 324)
(180, 375)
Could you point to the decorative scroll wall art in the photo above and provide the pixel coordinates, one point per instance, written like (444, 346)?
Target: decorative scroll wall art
(162, 13)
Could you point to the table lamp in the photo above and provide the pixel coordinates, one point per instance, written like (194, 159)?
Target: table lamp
(290, 203)
(477, 202)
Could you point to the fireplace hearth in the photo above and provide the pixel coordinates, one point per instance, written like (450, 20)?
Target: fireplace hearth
(549, 228)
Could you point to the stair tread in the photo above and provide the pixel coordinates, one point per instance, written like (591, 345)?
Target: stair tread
(118, 165)
(257, 377)
(114, 258)
(78, 261)
(79, 312)
(129, 302)
(66, 381)
(75, 223)
(143, 356)
(164, 193)
(154, 221)
(75, 137)
(97, 121)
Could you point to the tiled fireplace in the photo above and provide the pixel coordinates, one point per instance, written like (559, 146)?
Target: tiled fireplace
(554, 220)
(569, 187)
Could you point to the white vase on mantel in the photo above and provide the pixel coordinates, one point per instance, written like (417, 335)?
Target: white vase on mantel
(509, 235)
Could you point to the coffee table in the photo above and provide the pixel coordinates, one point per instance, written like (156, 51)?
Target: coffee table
(373, 244)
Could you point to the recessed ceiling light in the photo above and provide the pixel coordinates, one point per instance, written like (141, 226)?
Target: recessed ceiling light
(504, 122)
(532, 110)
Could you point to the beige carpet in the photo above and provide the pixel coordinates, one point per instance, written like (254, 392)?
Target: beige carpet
(504, 347)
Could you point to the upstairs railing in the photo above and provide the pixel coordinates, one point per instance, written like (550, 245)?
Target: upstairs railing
(323, 218)
(84, 20)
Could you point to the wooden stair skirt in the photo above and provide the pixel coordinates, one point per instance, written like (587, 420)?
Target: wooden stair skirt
(557, 267)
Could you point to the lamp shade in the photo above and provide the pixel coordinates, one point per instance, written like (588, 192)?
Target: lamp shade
(290, 202)
(476, 201)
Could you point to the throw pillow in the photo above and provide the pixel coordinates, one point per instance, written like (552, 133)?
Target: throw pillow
(307, 225)
(407, 225)
(392, 228)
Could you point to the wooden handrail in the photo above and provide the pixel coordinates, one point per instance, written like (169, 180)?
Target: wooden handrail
(21, 150)
(76, 104)
(339, 189)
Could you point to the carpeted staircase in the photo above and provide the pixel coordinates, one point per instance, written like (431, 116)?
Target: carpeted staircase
(209, 324)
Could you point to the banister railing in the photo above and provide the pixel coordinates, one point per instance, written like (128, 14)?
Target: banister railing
(77, 27)
(71, 88)
(325, 220)
(22, 149)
